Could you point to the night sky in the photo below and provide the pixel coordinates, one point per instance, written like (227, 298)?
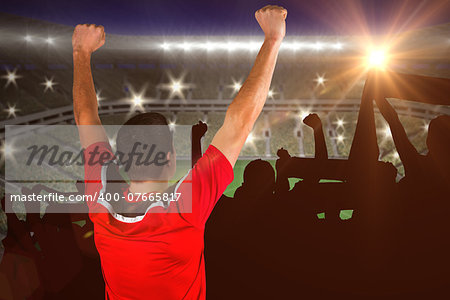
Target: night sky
(235, 17)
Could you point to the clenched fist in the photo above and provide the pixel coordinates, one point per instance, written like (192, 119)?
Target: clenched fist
(87, 38)
(272, 18)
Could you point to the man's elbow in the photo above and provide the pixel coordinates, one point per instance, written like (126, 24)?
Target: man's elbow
(238, 123)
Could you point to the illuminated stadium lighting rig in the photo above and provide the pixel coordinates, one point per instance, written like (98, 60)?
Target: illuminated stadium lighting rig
(50, 40)
(28, 38)
(11, 110)
(11, 77)
(165, 46)
(270, 94)
(48, 83)
(340, 138)
(320, 80)
(377, 58)
(176, 87)
(236, 86)
(340, 122)
(248, 46)
(137, 100)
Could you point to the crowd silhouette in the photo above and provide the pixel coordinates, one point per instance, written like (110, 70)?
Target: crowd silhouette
(267, 241)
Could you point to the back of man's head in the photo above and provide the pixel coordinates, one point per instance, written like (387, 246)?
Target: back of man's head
(141, 142)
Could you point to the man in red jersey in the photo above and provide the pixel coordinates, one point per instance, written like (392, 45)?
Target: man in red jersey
(158, 254)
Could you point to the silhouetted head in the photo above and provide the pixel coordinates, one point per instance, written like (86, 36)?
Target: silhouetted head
(259, 176)
(438, 139)
(150, 147)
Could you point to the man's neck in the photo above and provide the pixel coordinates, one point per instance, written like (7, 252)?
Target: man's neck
(148, 186)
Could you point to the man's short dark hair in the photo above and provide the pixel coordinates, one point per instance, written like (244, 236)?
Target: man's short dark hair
(135, 131)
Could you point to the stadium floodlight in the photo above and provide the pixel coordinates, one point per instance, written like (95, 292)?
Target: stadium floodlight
(208, 46)
(48, 83)
(50, 40)
(304, 113)
(7, 150)
(320, 80)
(176, 86)
(231, 46)
(137, 100)
(318, 46)
(186, 46)
(11, 110)
(270, 94)
(11, 77)
(250, 138)
(172, 125)
(165, 46)
(340, 122)
(253, 46)
(337, 46)
(340, 138)
(295, 46)
(236, 86)
(28, 38)
(377, 59)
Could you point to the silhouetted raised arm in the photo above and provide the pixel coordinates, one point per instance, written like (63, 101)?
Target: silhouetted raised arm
(313, 121)
(198, 131)
(407, 152)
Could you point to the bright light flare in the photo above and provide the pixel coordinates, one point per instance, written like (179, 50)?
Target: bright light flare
(340, 138)
(320, 80)
(28, 38)
(250, 139)
(172, 125)
(304, 114)
(11, 110)
(340, 122)
(7, 150)
(377, 59)
(11, 77)
(48, 83)
(50, 40)
(176, 87)
(165, 46)
(137, 100)
(236, 85)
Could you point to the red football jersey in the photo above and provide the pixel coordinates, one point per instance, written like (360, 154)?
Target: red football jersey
(157, 255)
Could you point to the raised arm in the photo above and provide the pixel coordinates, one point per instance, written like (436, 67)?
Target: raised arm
(407, 152)
(246, 107)
(85, 40)
(313, 121)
